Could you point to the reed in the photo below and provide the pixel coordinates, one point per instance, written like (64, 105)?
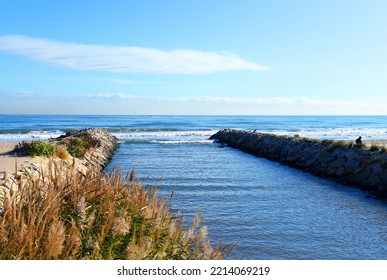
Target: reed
(67, 215)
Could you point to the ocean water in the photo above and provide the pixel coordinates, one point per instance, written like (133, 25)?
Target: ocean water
(269, 210)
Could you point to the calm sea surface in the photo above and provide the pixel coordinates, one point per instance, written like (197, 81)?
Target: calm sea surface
(271, 211)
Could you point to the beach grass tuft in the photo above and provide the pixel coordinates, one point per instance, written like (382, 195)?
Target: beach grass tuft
(96, 216)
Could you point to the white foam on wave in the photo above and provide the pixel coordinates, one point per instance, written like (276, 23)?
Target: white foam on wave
(31, 135)
(341, 133)
(201, 136)
(164, 134)
(181, 141)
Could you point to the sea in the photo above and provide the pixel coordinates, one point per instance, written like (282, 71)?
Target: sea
(268, 210)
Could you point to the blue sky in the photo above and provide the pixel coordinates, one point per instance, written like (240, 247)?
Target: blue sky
(254, 57)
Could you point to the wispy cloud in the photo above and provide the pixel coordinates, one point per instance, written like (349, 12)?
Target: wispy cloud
(111, 96)
(124, 103)
(271, 101)
(116, 97)
(15, 94)
(123, 59)
(263, 101)
(236, 100)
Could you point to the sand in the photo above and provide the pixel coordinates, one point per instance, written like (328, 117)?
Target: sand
(9, 160)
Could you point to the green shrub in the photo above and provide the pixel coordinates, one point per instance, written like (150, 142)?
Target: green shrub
(76, 151)
(77, 147)
(41, 148)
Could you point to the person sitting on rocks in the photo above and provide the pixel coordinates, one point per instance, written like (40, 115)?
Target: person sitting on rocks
(358, 141)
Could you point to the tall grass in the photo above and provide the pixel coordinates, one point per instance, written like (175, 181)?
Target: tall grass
(66, 215)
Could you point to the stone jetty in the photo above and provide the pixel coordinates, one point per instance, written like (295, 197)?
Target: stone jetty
(343, 161)
(94, 158)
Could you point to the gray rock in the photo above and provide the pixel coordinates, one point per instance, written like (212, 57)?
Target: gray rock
(354, 166)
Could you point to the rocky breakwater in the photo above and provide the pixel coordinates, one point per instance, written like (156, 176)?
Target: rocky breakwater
(73, 154)
(97, 144)
(347, 163)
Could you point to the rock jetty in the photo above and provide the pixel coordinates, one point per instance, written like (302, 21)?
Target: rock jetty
(94, 158)
(343, 161)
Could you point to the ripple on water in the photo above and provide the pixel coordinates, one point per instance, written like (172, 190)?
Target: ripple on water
(271, 211)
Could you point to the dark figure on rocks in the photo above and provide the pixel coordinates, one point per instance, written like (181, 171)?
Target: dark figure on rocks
(358, 141)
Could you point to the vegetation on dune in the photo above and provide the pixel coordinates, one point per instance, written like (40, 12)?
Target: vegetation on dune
(97, 216)
(76, 145)
(37, 148)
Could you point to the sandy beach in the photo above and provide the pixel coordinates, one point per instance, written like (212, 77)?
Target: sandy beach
(9, 160)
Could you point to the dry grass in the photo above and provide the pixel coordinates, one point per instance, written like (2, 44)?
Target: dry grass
(332, 145)
(98, 216)
(62, 153)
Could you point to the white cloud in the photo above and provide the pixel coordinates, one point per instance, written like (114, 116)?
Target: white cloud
(123, 59)
(266, 101)
(198, 99)
(124, 103)
(111, 96)
(236, 100)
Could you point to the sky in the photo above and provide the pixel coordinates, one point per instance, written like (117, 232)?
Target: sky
(195, 57)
